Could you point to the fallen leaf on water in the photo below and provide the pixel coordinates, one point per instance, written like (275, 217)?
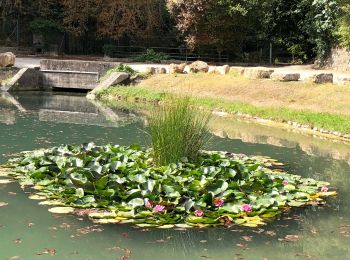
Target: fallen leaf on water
(127, 254)
(247, 238)
(2, 204)
(13, 258)
(87, 230)
(65, 225)
(203, 241)
(5, 181)
(290, 238)
(241, 245)
(270, 233)
(48, 251)
(18, 241)
(345, 233)
(12, 193)
(30, 224)
(344, 226)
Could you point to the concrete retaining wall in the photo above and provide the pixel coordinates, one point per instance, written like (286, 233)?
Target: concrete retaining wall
(339, 59)
(25, 79)
(69, 79)
(77, 65)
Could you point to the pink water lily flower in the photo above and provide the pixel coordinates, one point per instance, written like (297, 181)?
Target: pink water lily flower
(285, 182)
(198, 213)
(247, 208)
(324, 189)
(159, 208)
(218, 202)
(148, 204)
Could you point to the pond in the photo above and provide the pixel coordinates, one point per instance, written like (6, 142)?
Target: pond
(28, 231)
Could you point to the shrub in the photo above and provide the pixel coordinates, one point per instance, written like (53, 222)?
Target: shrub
(109, 49)
(178, 130)
(152, 56)
(119, 68)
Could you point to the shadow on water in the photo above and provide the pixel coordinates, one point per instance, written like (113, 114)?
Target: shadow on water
(34, 120)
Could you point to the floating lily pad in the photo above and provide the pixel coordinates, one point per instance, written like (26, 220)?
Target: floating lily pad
(102, 215)
(62, 210)
(106, 221)
(37, 197)
(51, 202)
(166, 226)
(118, 184)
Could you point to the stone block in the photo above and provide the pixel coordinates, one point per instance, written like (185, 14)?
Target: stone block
(258, 73)
(285, 76)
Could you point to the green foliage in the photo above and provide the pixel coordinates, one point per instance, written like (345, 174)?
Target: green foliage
(218, 189)
(45, 27)
(151, 56)
(178, 130)
(343, 31)
(109, 49)
(119, 68)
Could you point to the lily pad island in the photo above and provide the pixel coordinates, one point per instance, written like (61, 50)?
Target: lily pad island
(122, 184)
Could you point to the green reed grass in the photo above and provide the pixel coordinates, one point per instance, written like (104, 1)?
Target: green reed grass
(178, 130)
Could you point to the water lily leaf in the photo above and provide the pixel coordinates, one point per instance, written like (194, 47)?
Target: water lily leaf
(62, 210)
(79, 193)
(253, 221)
(125, 214)
(294, 203)
(52, 203)
(102, 183)
(104, 215)
(145, 225)
(232, 208)
(217, 187)
(189, 204)
(240, 221)
(37, 197)
(289, 187)
(166, 226)
(106, 221)
(136, 203)
(327, 194)
(78, 179)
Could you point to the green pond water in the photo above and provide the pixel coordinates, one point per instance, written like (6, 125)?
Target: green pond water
(28, 231)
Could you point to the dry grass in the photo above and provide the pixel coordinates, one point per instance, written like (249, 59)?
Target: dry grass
(262, 93)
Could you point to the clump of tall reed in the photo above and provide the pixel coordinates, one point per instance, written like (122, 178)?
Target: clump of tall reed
(178, 130)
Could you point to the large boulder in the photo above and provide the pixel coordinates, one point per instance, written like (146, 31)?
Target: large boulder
(320, 78)
(7, 59)
(177, 68)
(223, 70)
(285, 76)
(199, 66)
(237, 70)
(258, 73)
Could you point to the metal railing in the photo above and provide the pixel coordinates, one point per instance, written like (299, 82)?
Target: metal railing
(180, 53)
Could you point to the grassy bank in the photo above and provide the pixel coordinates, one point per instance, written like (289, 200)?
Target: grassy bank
(331, 112)
(327, 121)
